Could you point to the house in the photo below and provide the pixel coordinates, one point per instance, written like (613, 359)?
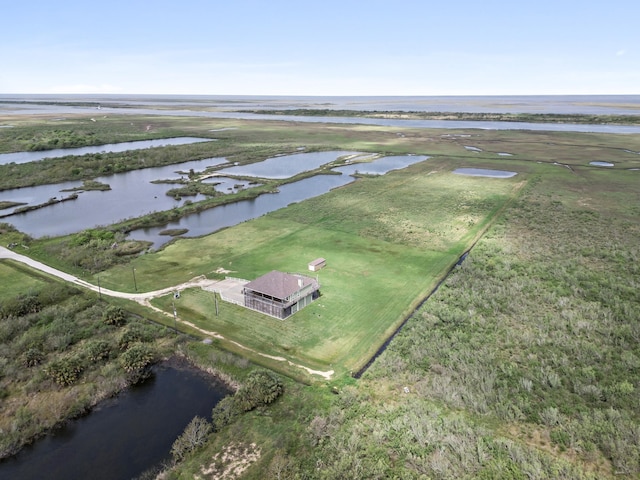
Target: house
(280, 294)
(317, 264)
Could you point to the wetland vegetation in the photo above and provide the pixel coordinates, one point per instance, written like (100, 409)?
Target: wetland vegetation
(523, 364)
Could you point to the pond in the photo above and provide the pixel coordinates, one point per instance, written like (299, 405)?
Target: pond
(124, 436)
(484, 172)
(24, 157)
(132, 194)
(602, 164)
(381, 165)
(286, 166)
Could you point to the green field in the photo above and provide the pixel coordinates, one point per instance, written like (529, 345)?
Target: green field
(16, 281)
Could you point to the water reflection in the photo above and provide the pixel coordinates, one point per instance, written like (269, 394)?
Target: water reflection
(213, 219)
(133, 195)
(229, 185)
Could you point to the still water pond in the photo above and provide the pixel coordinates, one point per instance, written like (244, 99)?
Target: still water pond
(124, 436)
(214, 219)
(24, 157)
(484, 172)
(286, 166)
(381, 165)
(131, 195)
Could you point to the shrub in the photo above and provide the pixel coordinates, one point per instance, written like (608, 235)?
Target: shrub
(137, 358)
(194, 436)
(114, 316)
(261, 388)
(65, 371)
(133, 334)
(32, 357)
(97, 350)
(224, 413)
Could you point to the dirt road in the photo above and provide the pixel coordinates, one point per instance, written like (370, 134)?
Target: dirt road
(144, 298)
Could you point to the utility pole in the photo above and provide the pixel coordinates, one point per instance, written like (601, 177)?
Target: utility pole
(99, 289)
(175, 314)
(135, 285)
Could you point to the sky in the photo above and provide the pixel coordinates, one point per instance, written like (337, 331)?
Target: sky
(328, 47)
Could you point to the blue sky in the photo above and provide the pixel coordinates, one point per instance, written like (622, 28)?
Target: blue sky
(346, 47)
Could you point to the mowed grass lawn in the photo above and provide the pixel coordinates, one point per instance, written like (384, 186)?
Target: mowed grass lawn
(17, 280)
(387, 241)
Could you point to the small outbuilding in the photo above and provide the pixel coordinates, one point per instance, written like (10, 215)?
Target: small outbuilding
(317, 264)
(280, 294)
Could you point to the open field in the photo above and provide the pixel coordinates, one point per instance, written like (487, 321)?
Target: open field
(15, 282)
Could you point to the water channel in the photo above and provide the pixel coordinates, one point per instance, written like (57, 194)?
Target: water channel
(123, 436)
(24, 157)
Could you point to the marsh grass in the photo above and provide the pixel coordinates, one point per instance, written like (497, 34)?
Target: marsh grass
(540, 324)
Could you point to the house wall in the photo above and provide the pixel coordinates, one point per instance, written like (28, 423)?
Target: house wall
(264, 305)
(280, 308)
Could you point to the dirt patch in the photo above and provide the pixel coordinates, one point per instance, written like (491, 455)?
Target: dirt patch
(231, 462)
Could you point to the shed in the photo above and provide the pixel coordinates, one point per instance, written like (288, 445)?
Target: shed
(317, 264)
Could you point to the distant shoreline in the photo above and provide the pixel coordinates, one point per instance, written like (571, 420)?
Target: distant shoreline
(582, 119)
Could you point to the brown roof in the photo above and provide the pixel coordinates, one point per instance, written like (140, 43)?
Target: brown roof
(279, 284)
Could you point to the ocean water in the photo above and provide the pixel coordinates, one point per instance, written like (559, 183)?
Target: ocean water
(565, 104)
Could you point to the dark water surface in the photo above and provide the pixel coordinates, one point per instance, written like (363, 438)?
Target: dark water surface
(124, 436)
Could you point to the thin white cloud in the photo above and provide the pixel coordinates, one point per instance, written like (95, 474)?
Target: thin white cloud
(620, 53)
